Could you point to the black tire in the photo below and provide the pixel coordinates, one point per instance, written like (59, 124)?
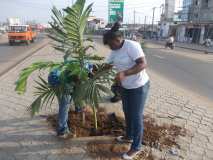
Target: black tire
(11, 43)
(27, 42)
(32, 41)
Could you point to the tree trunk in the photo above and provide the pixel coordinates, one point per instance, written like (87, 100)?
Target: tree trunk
(83, 118)
(95, 118)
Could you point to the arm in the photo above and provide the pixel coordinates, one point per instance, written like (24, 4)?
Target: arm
(137, 55)
(140, 65)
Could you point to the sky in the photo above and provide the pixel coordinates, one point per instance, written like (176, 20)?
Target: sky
(40, 10)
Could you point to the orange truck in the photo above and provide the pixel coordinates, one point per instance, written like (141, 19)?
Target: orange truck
(21, 33)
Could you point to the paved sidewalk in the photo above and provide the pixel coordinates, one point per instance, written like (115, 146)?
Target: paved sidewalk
(190, 46)
(23, 138)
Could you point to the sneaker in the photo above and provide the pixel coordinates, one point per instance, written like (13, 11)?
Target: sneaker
(122, 139)
(64, 134)
(125, 156)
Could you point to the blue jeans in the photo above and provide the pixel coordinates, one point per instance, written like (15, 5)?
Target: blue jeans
(133, 106)
(64, 104)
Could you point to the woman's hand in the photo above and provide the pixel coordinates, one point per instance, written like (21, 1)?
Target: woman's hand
(120, 76)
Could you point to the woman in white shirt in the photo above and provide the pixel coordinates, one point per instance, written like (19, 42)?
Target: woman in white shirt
(129, 60)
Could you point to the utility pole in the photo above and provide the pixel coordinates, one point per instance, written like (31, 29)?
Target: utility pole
(153, 18)
(134, 20)
(72, 2)
(144, 24)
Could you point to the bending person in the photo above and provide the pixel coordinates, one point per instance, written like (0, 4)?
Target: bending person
(129, 60)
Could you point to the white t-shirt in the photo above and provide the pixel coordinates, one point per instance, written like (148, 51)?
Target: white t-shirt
(124, 59)
(171, 39)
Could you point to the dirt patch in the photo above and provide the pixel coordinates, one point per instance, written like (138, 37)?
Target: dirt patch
(161, 136)
(108, 124)
(106, 150)
(155, 136)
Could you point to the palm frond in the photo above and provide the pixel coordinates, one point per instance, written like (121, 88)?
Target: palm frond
(35, 106)
(21, 83)
(68, 30)
(93, 90)
(58, 15)
(45, 96)
(83, 20)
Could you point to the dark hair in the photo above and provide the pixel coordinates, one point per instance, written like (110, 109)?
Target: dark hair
(112, 33)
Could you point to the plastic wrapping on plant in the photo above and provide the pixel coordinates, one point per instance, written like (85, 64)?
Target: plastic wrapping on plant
(54, 78)
(89, 67)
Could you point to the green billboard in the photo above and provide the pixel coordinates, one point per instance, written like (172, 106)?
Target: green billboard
(116, 10)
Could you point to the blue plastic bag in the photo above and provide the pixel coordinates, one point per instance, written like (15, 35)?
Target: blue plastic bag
(54, 78)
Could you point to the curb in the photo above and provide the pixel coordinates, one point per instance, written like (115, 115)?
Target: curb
(200, 50)
(27, 55)
(178, 46)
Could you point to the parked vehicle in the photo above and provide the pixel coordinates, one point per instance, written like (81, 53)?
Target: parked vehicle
(2, 29)
(21, 33)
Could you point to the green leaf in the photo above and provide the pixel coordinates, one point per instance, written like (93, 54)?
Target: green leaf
(21, 83)
(58, 15)
(83, 20)
(35, 106)
(104, 89)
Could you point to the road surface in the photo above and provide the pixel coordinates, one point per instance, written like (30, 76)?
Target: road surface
(190, 69)
(9, 55)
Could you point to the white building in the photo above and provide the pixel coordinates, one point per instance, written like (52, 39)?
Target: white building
(167, 18)
(96, 23)
(169, 10)
(14, 21)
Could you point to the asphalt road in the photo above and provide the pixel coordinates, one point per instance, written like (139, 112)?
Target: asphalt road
(190, 69)
(10, 55)
(11, 52)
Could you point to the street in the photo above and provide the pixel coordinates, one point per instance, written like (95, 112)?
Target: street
(187, 68)
(190, 69)
(9, 55)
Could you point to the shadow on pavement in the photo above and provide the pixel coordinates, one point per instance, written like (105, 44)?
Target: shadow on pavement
(26, 138)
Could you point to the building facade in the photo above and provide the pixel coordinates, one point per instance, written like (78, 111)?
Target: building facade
(166, 18)
(197, 23)
(169, 10)
(184, 14)
(201, 11)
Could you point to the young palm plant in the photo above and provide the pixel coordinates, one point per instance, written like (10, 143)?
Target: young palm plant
(71, 75)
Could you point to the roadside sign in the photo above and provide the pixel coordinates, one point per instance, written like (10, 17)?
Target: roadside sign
(116, 9)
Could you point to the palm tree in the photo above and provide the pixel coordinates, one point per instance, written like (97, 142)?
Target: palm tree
(67, 31)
